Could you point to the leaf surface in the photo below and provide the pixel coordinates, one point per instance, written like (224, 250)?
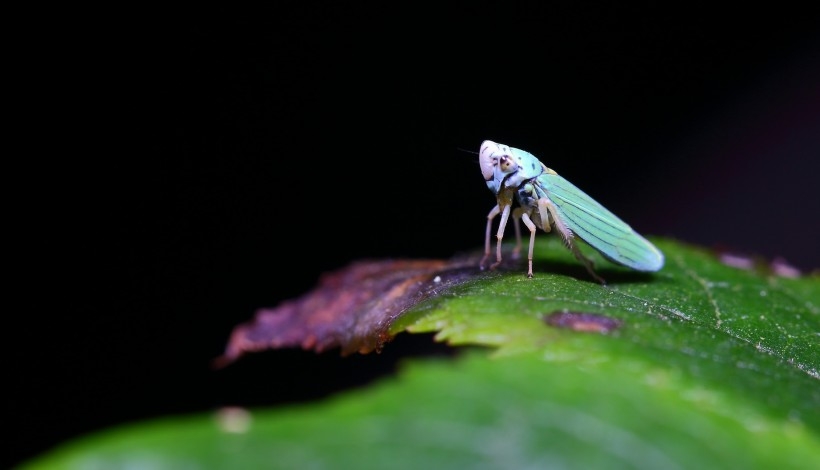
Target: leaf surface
(701, 365)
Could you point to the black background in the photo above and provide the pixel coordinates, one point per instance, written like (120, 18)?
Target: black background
(230, 157)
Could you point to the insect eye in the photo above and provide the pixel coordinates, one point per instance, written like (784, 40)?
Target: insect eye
(508, 164)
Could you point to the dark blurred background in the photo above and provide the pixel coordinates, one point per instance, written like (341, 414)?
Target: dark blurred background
(234, 156)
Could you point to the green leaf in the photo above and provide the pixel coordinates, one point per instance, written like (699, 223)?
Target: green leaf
(706, 366)
(736, 330)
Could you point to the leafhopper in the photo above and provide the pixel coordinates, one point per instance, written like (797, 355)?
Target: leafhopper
(546, 200)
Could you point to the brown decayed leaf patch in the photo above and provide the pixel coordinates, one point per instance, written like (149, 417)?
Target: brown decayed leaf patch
(351, 308)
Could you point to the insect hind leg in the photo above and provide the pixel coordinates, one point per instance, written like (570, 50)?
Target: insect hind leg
(588, 263)
(568, 237)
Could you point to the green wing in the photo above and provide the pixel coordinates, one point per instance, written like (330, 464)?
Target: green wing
(599, 227)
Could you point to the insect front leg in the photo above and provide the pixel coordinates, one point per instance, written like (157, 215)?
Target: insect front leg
(505, 215)
(493, 213)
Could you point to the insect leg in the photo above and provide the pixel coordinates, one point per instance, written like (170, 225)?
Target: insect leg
(494, 212)
(505, 214)
(543, 212)
(567, 235)
(531, 226)
(517, 214)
